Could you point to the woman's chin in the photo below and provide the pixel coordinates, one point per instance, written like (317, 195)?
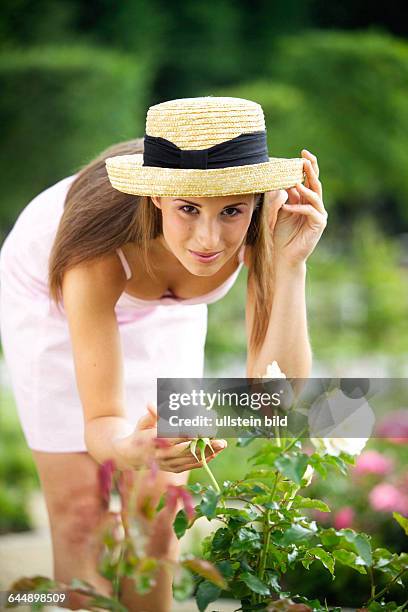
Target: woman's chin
(202, 270)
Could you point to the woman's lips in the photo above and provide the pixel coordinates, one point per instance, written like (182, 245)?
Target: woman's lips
(205, 258)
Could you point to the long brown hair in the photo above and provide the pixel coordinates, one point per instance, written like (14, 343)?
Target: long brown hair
(98, 219)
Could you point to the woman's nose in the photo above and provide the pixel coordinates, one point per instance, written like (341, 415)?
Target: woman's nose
(208, 236)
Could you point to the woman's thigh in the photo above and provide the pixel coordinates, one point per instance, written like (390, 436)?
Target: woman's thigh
(71, 486)
(77, 512)
(66, 478)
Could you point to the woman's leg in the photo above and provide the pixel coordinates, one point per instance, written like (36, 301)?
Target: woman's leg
(161, 543)
(71, 487)
(76, 511)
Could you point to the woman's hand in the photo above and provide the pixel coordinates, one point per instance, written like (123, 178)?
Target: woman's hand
(297, 225)
(170, 454)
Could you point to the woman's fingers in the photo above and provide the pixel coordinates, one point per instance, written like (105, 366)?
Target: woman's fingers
(172, 441)
(312, 198)
(294, 197)
(313, 159)
(307, 210)
(313, 181)
(209, 455)
(182, 449)
(175, 450)
(180, 465)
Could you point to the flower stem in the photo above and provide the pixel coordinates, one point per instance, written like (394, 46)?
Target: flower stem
(387, 586)
(267, 535)
(207, 469)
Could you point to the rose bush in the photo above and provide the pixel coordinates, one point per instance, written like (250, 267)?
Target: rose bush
(266, 533)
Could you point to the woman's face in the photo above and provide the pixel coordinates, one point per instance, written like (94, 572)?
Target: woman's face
(205, 225)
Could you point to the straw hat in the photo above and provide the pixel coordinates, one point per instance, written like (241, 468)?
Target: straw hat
(208, 146)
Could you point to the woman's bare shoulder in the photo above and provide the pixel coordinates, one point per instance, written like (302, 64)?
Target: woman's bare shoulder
(103, 278)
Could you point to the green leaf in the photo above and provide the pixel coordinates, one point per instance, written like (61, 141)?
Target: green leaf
(208, 503)
(227, 568)
(321, 469)
(329, 537)
(347, 557)
(382, 557)
(180, 523)
(245, 540)
(337, 462)
(292, 466)
(261, 476)
(361, 543)
(265, 453)
(325, 557)
(206, 593)
(222, 539)
(293, 555)
(307, 562)
(308, 502)
(272, 505)
(272, 579)
(402, 520)
(253, 582)
(294, 535)
(258, 489)
(195, 488)
(243, 516)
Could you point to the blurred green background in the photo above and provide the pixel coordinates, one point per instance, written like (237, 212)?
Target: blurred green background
(77, 76)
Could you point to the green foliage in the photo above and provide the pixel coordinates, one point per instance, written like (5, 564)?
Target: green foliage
(342, 96)
(260, 543)
(357, 299)
(60, 106)
(18, 475)
(384, 527)
(402, 520)
(269, 536)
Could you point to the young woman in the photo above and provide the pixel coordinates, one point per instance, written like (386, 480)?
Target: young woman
(105, 281)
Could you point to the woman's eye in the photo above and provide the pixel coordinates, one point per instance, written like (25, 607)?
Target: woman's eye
(235, 210)
(189, 207)
(191, 210)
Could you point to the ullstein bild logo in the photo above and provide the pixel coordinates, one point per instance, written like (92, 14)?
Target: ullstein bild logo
(228, 421)
(293, 407)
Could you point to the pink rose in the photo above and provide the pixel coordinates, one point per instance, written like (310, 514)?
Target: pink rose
(384, 497)
(372, 462)
(394, 427)
(344, 518)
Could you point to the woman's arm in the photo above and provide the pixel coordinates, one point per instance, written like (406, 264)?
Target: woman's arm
(296, 228)
(90, 293)
(286, 340)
